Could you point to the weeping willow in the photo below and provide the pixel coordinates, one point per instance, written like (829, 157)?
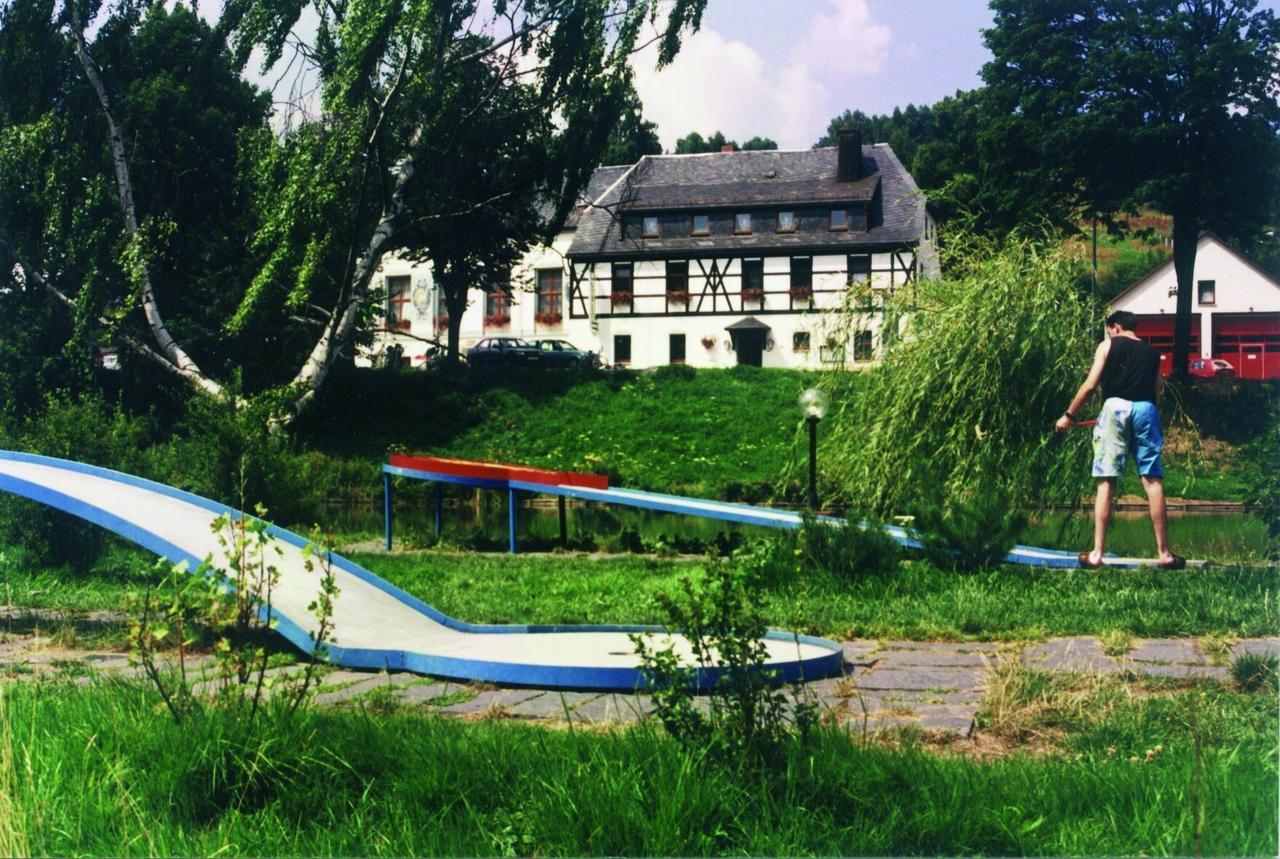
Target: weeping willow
(977, 366)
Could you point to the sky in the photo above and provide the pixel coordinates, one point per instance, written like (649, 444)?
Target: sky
(783, 68)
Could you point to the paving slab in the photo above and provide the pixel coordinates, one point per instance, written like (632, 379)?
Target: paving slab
(947, 717)
(348, 693)
(551, 705)
(921, 678)
(950, 646)
(489, 700)
(858, 651)
(1069, 654)
(935, 659)
(424, 693)
(1170, 651)
(1261, 646)
(1155, 669)
(622, 709)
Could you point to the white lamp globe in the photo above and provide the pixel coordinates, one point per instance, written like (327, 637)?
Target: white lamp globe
(813, 402)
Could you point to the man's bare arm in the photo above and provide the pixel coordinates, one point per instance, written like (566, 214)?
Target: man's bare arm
(1090, 385)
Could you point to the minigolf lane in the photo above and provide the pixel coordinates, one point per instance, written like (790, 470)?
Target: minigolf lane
(376, 625)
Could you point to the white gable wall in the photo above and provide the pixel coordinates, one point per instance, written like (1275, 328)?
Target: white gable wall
(1238, 288)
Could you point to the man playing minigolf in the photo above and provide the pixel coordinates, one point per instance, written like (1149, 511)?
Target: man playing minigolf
(1128, 369)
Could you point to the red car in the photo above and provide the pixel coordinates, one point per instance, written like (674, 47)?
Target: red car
(1210, 367)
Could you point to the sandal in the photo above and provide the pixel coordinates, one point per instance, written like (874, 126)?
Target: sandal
(1083, 559)
(1177, 563)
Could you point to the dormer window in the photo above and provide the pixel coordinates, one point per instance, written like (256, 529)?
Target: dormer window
(742, 223)
(839, 220)
(649, 226)
(701, 225)
(786, 222)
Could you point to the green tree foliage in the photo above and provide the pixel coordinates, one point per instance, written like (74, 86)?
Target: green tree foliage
(58, 210)
(633, 137)
(159, 213)
(485, 180)
(758, 144)
(990, 355)
(693, 142)
(1106, 105)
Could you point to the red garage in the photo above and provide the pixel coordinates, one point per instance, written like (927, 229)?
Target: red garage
(1250, 342)
(1158, 331)
(1235, 310)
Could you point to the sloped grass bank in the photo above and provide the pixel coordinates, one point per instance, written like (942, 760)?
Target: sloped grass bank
(99, 772)
(718, 433)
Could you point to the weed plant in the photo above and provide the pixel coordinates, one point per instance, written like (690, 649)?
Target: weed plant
(722, 620)
(1253, 672)
(233, 609)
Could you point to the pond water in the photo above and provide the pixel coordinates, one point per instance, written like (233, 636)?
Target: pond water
(483, 525)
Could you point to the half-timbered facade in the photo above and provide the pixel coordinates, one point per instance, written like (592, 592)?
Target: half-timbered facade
(771, 258)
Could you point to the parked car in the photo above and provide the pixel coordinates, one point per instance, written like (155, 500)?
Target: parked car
(561, 354)
(1210, 367)
(503, 351)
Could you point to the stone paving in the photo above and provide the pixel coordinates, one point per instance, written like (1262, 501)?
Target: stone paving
(933, 686)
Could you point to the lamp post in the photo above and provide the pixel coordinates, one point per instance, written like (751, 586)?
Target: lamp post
(813, 403)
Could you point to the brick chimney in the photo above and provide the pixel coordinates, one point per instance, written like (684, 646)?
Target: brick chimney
(849, 166)
(728, 147)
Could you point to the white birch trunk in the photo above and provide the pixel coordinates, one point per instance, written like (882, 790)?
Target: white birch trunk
(183, 365)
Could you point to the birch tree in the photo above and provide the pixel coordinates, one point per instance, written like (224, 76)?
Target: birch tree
(337, 182)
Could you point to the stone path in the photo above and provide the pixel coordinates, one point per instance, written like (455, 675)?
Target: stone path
(935, 686)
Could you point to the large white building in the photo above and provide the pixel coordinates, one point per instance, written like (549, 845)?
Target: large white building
(1236, 304)
(776, 259)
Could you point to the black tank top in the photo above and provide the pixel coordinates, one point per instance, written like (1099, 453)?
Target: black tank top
(1131, 370)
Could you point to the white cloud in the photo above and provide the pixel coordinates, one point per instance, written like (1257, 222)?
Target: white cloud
(726, 85)
(846, 42)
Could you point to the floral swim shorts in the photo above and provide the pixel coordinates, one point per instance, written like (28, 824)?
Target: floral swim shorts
(1125, 426)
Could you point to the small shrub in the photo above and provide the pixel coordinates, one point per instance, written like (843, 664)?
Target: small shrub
(85, 429)
(232, 608)
(1253, 672)
(968, 535)
(849, 550)
(668, 372)
(722, 619)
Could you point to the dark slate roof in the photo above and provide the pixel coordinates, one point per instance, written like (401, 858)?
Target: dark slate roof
(748, 324)
(760, 179)
(596, 185)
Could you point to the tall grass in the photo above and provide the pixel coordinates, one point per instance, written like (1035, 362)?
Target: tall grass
(13, 837)
(110, 776)
(990, 357)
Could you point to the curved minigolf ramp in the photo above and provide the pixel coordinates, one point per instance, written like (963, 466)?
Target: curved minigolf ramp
(376, 625)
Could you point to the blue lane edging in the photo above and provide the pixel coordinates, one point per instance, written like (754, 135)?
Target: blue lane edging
(746, 514)
(542, 676)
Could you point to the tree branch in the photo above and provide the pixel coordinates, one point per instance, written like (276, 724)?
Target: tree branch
(182, 363)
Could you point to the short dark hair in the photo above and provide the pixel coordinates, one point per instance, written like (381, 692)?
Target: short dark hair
(1123, 318)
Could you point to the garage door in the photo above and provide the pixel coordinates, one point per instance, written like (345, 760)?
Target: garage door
(1251, 342)
(1158, 331)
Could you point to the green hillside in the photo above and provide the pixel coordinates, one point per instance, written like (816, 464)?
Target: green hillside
(723, 433)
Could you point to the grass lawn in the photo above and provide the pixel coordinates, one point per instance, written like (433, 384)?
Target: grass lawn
(100, 770)
(918, 601)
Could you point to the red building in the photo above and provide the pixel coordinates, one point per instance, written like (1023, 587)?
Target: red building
(1235, 311)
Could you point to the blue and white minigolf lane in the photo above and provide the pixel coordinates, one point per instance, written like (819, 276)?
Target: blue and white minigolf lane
(377, 625)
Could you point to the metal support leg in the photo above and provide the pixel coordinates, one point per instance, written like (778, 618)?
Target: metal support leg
(564, 525)
(511, 520)
(439, 509)
(386, 507)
